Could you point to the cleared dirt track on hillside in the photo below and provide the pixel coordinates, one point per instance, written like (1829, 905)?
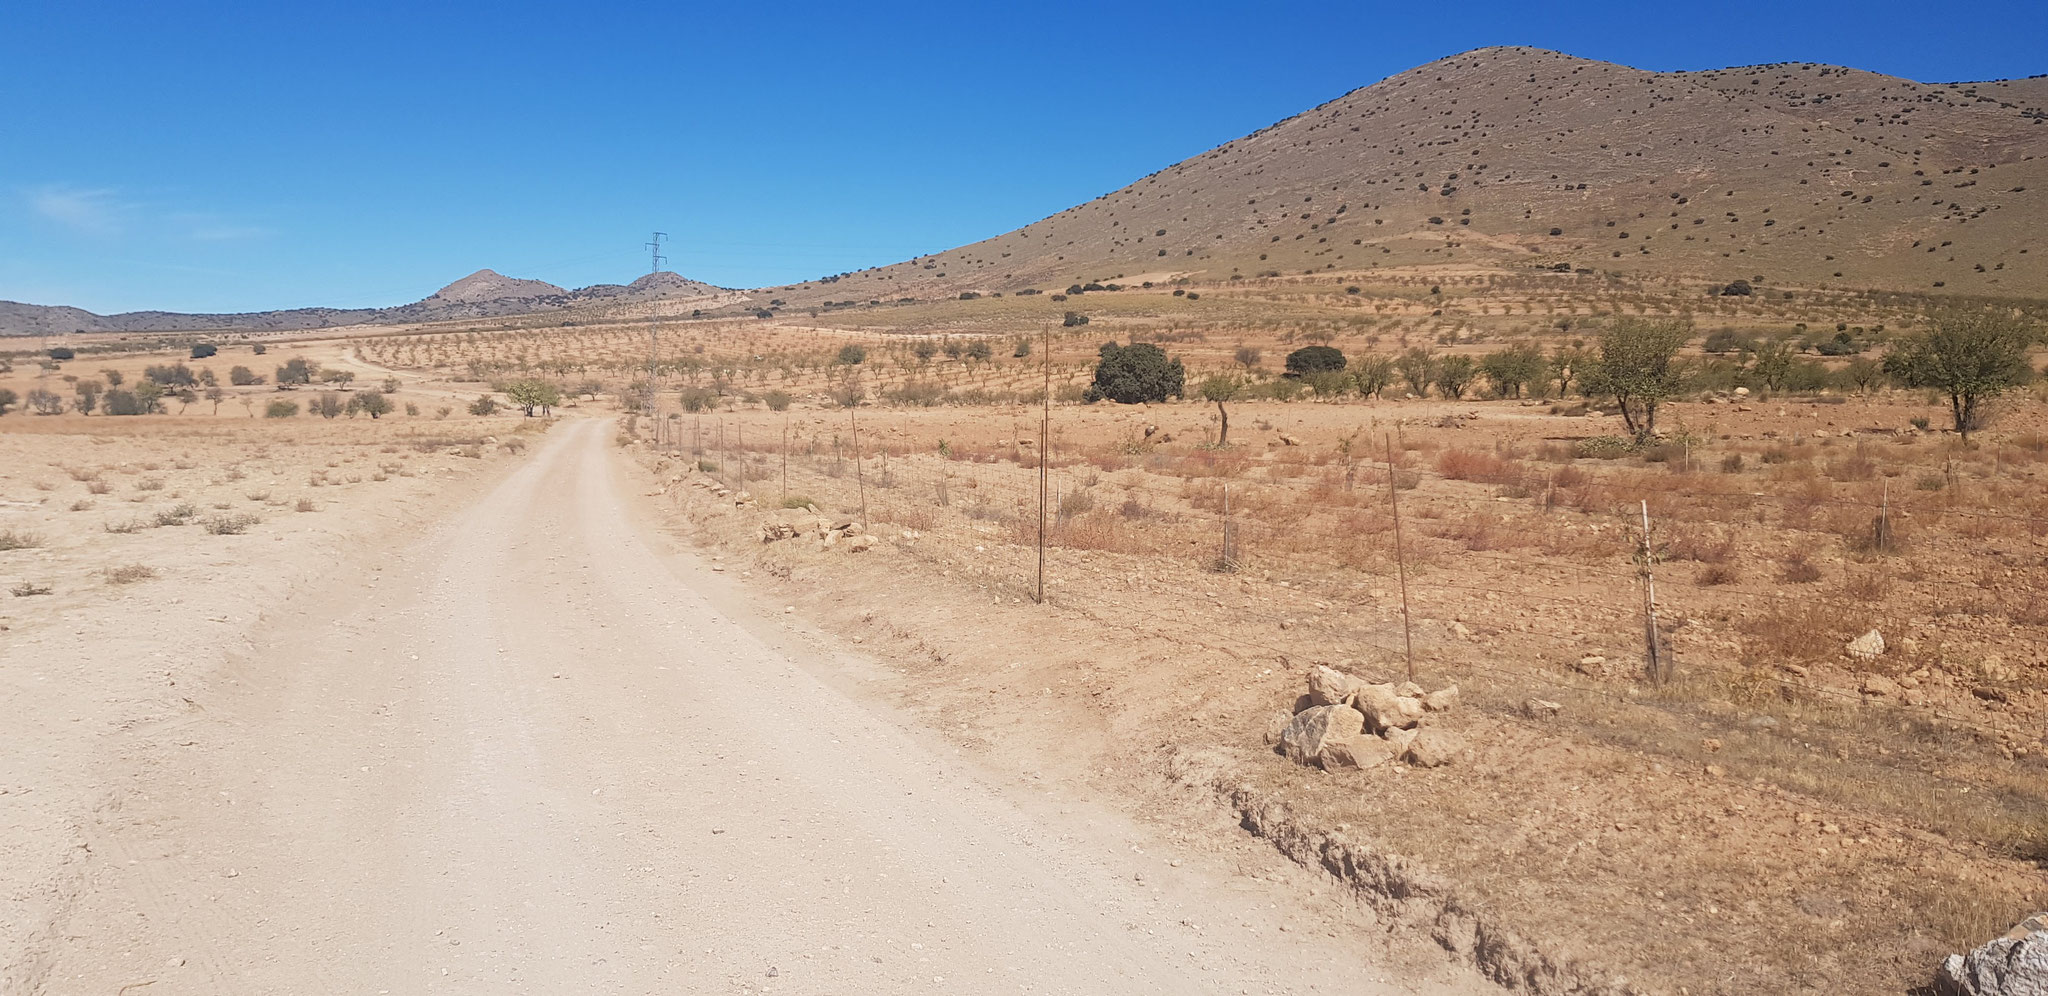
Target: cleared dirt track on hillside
(526, 755)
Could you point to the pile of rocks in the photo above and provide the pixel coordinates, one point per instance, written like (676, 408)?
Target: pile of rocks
(827, 532)
(1347, 722)
(2013, 965)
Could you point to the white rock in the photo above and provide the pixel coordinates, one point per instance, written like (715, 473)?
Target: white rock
(1868, 645)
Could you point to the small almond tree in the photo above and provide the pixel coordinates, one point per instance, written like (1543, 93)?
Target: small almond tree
(1636, 365)
(1221, 389)
(1972, 356)
(532, 394)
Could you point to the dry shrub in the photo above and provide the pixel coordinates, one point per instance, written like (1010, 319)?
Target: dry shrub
(1856, 467)
(129, 573)
(909, 517)
(1798, 570)
(19, 539)
(1469, 465)
(1706, 546)
(1710, 575)
(1791, 632)
(1868, 587)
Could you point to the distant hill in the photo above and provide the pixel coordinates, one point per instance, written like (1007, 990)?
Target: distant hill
(483, 294)
(1801, 173)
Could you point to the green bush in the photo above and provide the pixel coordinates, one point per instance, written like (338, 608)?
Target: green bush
(1138, 373)
(1314, 359)
(280, 409)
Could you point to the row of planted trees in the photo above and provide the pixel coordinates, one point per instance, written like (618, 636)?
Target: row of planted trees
(1968, 357)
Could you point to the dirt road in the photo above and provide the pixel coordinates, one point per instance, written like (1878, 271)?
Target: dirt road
(527, 754)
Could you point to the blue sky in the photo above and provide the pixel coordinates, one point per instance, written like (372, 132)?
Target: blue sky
(217, 157)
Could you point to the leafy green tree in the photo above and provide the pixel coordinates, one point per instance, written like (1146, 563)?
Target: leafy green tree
(853, 354)
(1635, 365)
(1135, 374)
(371, 403)
(1771, 363)
(1373, 374)
(149, 395)
(1454, 374)
(1512, 369)
(1971, 355)
(979, 350)
(204, 350)
(1568, 364)
(294, 372)
(1220, 389)
(532, 394)
(242, 376)
(1314, 359)
(1418, 368)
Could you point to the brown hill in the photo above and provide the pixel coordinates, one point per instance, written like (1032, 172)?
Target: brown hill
(1517, 157)
(483, 294)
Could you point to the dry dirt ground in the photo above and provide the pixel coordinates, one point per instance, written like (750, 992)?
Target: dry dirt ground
(1761, 825)
(484, 728)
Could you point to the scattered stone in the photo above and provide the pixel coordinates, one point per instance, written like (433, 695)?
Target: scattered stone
(2013, 965)
(1400, 739)
(1442, 700)
(1308, 733)
(1541, 708)
(862, 543)
(1278, 727)
(1868, 645)
(1409, 689)
(1432, 749)
(772, 531)
(1879, 686)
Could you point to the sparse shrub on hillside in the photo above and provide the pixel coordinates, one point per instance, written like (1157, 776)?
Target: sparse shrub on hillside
(1247, 356)
(45, 402)
(1074, 319)
(330, 405)
(243, 377)
(203, 350)
(1134, 374)
(484, 405)
(777, 401)
(8, 399)
(852, 354)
